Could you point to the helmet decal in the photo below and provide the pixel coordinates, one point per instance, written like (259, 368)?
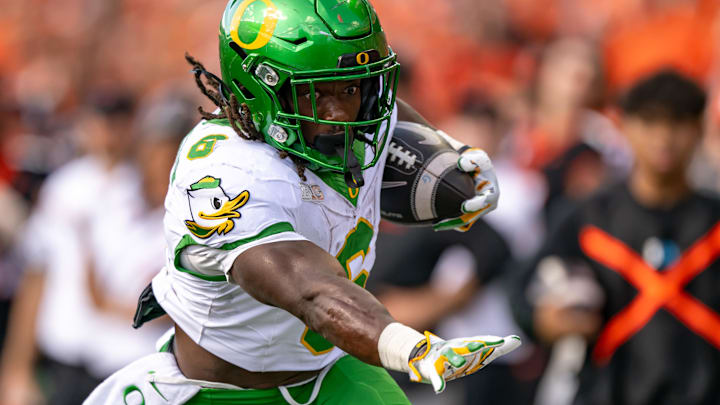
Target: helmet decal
(212, 210)
(359, 58)
(271, 50)
(266, 29)
(362, 58)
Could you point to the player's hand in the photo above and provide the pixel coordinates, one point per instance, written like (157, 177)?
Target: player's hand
(487, 191)
(445, 360)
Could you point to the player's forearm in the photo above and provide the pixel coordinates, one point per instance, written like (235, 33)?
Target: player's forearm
(407, 113)
(310, 284)
(348, 316)
(351, 318)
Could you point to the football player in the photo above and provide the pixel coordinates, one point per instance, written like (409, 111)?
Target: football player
(271, 220)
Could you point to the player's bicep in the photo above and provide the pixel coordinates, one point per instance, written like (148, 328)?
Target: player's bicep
(287, 274)
(217, 212)
(407, 113)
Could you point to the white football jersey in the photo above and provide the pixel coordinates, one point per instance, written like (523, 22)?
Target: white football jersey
(228, 194)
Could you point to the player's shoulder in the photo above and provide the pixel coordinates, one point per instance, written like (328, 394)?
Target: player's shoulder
(228, 191)
(215, 141)
(221, 177)
(215, 144)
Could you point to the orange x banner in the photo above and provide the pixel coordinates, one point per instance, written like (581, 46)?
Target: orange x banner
(656, 290)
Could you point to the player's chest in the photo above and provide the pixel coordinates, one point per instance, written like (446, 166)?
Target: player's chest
(345, 230)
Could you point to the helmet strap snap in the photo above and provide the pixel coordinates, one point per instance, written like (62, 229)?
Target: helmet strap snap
(335, 145)
(353, 175)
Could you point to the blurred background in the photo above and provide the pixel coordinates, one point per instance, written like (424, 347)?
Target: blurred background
(95, 97)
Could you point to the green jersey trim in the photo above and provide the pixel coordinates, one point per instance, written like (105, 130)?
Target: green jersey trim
(220, 121)
(165, 348)
(188, 240)
(152, 383)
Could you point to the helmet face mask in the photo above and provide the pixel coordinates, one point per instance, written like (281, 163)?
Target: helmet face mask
(300, 49)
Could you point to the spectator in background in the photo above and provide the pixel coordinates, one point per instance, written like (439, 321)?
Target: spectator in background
(422, 276)
(519, 218)
(93, 242)
(127, 247)
(659, 33)
(573, 146)
(518, 222)
(635, 270)
(14, 210)
(425, 275)
(705, 169)
(52, 313)
(14, 213)
(453, 282)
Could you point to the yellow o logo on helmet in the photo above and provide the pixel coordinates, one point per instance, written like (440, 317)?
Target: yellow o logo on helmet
(362, 58)
(266, 29)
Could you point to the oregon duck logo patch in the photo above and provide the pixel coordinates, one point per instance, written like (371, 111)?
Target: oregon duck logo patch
(212, 210)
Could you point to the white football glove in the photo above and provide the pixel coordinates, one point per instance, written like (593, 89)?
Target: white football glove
(487, 191)
(446, 360)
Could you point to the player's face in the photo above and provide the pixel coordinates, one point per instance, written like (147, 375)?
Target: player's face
(662, 147)
(336, 101)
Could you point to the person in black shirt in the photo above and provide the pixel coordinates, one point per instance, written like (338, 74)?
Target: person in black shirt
(651, 244)
(427, 278)
(410, 262)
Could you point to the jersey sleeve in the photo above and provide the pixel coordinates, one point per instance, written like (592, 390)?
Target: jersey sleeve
(216, 211)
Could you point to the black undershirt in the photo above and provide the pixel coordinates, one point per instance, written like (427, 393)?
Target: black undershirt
(664, 362)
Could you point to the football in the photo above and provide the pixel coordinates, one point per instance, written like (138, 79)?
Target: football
(421, 182)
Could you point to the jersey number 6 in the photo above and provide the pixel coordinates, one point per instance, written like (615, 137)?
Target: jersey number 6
(204, 146)
(356, 247)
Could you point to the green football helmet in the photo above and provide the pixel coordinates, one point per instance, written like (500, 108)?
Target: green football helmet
(270, 47)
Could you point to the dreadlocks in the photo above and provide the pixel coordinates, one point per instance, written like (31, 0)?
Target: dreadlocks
(238, 115)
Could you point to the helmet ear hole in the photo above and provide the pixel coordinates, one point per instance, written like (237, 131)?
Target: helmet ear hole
(248, 96)
(284, 95)
(369, 89)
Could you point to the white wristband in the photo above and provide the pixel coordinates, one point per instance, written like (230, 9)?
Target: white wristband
(396, 343)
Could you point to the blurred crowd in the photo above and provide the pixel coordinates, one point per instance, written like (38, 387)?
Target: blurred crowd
(95, 98)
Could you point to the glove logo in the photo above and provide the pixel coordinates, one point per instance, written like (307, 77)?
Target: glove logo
(212, 210)
(266, 29)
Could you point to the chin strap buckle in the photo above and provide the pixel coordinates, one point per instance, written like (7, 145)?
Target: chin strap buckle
(335, 144)
(353, 174)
